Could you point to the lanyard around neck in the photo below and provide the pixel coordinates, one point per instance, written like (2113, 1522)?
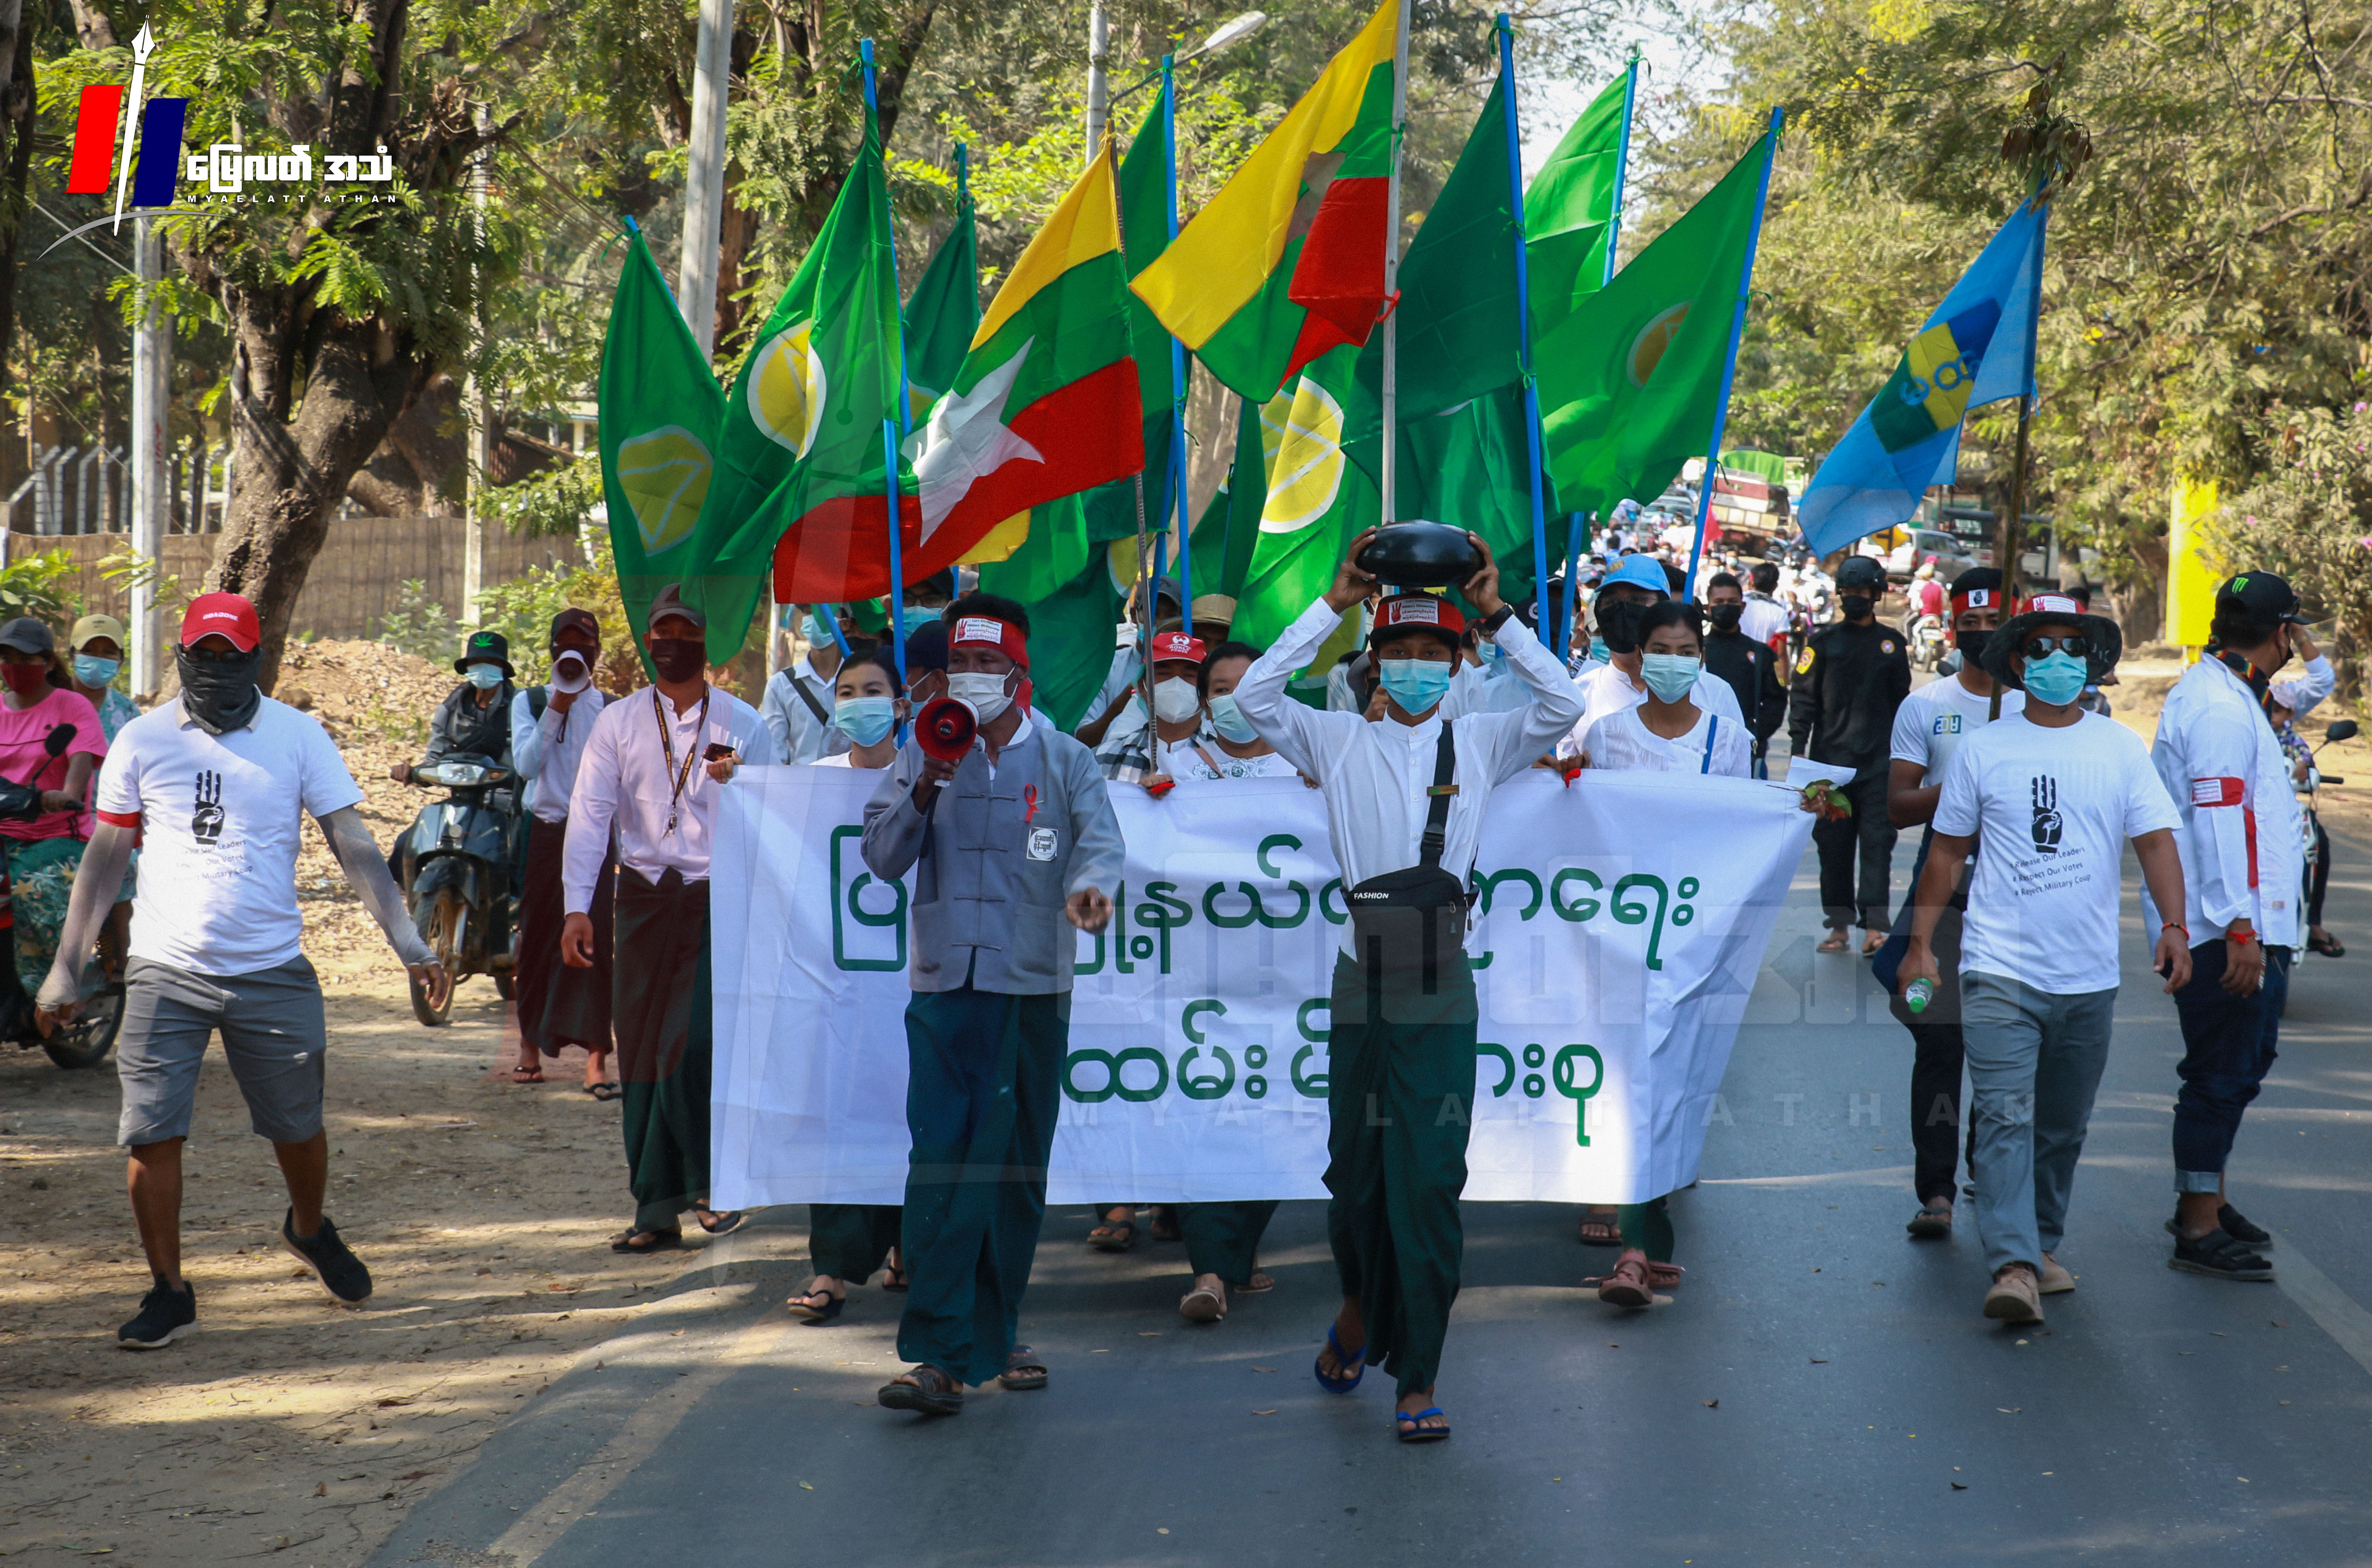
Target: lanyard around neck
(677, 777)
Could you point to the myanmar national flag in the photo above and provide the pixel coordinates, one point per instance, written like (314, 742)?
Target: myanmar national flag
(805, 472)
(1288, 260)
(660, 408)
(1046, 404)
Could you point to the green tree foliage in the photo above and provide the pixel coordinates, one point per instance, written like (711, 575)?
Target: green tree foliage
(2207, 263)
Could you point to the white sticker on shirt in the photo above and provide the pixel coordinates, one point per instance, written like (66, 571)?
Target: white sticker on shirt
(1041, 843)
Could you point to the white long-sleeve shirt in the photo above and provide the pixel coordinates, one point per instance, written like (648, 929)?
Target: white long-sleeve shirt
(546, 750)
(623, 781)
(2241, 835)
(799, 734)
(2301, 693)
(1375, 775)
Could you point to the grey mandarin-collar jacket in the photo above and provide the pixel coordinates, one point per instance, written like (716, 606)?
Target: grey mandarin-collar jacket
(998, 857)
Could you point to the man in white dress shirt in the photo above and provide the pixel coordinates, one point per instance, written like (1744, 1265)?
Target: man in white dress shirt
(1402, 1033)
(2216, 753)
(652, 768)
(798, 703)
(550, 726)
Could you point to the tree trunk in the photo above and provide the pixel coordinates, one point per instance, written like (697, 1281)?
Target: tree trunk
(292, 474)
(18, 105)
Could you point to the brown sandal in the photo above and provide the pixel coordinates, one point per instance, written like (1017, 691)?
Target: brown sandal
(1628, 1286)
(1832, 943)
(1023, 1370)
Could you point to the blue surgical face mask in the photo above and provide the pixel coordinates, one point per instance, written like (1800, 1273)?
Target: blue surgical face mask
(1670, 676)
(1229, 721)
(864, 720)
(1599, 651)
(820, 633)
(2057, 677)
(1416, 684)
(93, 670)
(484, 677)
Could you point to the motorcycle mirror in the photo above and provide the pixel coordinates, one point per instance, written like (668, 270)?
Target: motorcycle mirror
(59, 739)
(2345, 729)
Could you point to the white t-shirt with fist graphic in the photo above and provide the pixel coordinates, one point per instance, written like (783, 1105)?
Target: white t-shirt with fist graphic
(2053, 808)
(220, 819)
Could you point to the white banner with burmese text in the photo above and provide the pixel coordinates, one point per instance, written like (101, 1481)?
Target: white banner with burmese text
(1619, 925)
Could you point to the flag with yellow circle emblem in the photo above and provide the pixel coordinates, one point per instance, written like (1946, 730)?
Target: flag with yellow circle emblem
(1317, 499)
(661, 408)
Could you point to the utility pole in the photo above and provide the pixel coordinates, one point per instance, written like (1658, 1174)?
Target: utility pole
(473, 522)
(151, 368)
(703, 197)
(1099, 88)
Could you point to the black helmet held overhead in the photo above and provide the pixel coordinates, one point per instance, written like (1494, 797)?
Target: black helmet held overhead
(1862, 572)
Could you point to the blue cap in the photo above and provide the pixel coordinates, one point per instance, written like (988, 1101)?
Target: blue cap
(1641, 572)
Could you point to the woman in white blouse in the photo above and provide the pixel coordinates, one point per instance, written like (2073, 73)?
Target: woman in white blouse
(1240, 753)
(1667, 732)
(848, 1241)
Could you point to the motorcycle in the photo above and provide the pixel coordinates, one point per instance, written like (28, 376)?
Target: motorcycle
(1927, 640)
(459, 861)
(85, 1042)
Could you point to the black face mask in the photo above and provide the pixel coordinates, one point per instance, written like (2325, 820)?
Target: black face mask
(220, 695)
(1724, 617)
(678, 658)
(1972, 643)
(1618, 623)
(1855, 606)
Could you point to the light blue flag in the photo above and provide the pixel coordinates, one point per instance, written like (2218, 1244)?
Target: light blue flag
(1977, 348)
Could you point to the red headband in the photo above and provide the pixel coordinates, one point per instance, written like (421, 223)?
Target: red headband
(1419, 609)
(988, 632)
(1975, 599)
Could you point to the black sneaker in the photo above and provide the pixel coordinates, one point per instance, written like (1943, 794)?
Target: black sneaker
(2237, 1225)
(165, 1315)
(2218, 1255)
(339, 1270)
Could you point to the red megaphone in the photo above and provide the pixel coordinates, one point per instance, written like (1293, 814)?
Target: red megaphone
(945, 728)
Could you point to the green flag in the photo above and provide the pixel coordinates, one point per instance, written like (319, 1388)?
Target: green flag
(1071, 642)
(1229, 528)
(661, 408)
(1112, 510)
(944, 310)
(1630, 380)
(1569, 209)
(803, 479)
(1317, 499)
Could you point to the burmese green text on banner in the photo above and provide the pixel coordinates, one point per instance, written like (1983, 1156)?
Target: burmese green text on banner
(1613, 970)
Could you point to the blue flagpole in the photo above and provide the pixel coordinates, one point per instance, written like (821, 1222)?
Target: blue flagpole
(1621, 166)
(1572, 580)
(894, 429)
(1177, 362)
(1524, 313)
(1729, 366)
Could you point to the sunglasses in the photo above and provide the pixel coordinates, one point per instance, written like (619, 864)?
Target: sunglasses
(2077, 644)
(215, 656)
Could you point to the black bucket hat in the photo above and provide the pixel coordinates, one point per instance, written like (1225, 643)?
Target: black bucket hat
(482, 647)
(2002, 647)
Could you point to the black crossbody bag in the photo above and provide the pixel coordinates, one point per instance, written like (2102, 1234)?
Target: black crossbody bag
(1404, 921)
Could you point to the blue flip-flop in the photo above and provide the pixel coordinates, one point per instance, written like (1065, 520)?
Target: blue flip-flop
(1411, 1432)
(1342, 1358)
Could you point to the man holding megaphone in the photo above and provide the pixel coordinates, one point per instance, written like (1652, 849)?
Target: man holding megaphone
(1005, 824)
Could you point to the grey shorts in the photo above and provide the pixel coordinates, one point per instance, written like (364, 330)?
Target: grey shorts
(273, 1032)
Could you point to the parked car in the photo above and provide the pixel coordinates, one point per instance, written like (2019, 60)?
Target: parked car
(1952, 554)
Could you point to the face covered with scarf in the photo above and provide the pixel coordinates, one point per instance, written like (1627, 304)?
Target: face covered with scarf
(219, 688)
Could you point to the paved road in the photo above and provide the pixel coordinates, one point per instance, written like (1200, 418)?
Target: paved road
(1821, 1391)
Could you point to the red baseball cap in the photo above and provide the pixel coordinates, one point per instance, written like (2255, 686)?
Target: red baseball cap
(1433, 613)
(1167, 646)
(224, 615)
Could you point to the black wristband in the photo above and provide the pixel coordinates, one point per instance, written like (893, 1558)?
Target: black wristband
(1496, 619)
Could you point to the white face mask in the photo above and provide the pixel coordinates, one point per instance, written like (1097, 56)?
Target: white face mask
(568, 674)
(1174, 701)
(986, 693)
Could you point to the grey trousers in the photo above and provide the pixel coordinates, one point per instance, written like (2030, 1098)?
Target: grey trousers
(2035, 1060)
